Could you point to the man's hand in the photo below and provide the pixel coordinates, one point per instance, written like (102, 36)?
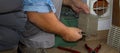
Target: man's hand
(77, 5)
(72, 34)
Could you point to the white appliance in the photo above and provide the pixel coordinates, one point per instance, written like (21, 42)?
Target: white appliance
(103, 9)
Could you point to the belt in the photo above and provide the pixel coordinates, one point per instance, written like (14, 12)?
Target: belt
(10, 12)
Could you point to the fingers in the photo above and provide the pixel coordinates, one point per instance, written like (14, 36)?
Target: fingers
(85, 9)
(74, 34)
(77, 29)
(72, 39)
(77, 10)
(77, 5)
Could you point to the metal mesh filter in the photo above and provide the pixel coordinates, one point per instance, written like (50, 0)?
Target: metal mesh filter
(114, 37)
(88, 23)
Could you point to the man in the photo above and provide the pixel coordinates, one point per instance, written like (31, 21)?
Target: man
(43, 23)
(12, 22)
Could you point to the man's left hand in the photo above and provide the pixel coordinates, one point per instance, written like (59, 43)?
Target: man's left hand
(77, 5)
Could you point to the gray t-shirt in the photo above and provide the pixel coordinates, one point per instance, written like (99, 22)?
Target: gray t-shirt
(37, 38)
(58, 5)
(11, 23)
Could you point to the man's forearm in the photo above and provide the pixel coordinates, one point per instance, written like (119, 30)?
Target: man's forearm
(48, 22)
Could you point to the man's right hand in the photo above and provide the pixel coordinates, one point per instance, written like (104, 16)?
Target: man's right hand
(72, 34)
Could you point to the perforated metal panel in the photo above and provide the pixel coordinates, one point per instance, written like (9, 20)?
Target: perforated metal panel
(114, 37)
(88, 23)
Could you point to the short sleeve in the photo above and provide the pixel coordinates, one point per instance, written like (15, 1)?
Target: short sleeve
(42, 6)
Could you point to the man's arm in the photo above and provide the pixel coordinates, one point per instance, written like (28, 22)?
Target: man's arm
(77, 5)
(48, 22)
